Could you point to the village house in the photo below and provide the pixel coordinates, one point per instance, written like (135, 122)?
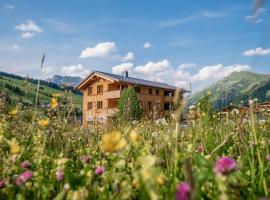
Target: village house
(102, 91)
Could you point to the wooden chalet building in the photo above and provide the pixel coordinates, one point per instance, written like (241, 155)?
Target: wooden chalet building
(102, 91)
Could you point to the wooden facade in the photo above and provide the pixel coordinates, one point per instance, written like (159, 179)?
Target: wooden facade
(102, 93)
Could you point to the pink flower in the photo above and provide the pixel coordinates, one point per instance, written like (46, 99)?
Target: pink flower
(85, 159)
(60, 175)
(100, 170)
(24, 177)
(25, 164)
(183, 191)
(2, 184)
(268, 157)
(225, 165)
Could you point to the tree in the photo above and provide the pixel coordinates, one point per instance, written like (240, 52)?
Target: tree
(129, 106)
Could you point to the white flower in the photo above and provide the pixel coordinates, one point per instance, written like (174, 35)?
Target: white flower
(250, 102)
(235, 112)
(192, 107)
(154, 134)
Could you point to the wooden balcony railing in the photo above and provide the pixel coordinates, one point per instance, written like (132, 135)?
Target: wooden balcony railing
(112, 94)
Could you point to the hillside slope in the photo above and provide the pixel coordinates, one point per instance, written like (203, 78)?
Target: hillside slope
(239, 86)
(23, 90)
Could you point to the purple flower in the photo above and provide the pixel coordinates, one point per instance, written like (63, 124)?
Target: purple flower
(267, 157)
(24, 177)
(183, 191)
(85, 159)
(60, 175)
(2, 184)
(25, 164)
(100, 170)
(225, 165)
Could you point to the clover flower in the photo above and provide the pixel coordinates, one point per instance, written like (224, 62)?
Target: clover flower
(25, 164)
(24, 177)
(267, 157)
(85, 159)
(200, 148)
(100, 170)
(60, 174)
(183, 191)
(225, 165)
(2, 184)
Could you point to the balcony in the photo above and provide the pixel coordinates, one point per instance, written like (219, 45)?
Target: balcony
(168, 98)
(114, 94)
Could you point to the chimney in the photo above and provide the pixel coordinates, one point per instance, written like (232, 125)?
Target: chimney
(126, 73)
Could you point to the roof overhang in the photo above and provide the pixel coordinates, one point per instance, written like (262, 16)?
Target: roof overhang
(84, 82)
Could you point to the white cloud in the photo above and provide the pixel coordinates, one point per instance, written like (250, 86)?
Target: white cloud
(187, 65)
(48, 70)
(28, 29)
(100, 50)
(152, 67)
(257, 52)
(128, 57)
(218, 71)
(119, 69)
(256, 16)
(75, 70)
(29, 26)
(27, 35)
(10, 7)
(147, 45)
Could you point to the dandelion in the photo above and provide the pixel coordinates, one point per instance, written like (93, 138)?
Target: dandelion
(43, 122)
(2, 184)
(183, 191)
(13, 112)
(235, 112)
(24, 177)
(54, 103)
(14, 147)
(113, 142)
(60, 174)
(85, 159)
(25, 164)
(225, 165)
(134, 136)
(154, 134)
(100, 170)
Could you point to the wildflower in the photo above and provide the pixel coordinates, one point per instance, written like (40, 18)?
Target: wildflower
(192, 107)
(60, 174)
(100, 170)
(56, 95)
(154, 134)
(209, 93)
(134, 136)
(13, 112)
(225, 165)
(200, 148)
(2, 184)
(44, 122)
(85, 159)
(54, 103)
(268, 157)
(235, 112)
(160, 179)
(113, 142)
(183, 191)
(24, 177)
(25, 164)
(14, 147)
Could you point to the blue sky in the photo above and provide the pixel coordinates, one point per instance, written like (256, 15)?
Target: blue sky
(176, 41)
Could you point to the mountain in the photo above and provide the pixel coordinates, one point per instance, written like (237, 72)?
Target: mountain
(22, 89)
(65, 80)
(237, 87)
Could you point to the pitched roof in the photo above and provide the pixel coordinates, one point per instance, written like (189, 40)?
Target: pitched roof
(131, 80)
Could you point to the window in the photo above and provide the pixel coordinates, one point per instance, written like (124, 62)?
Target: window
(168, 106)
(90, 90)
(168, 93)
(157, 92)
(100, 89)
(99, 105)
(138, 90)
(149, 105)
(90, 105)
(149, 91)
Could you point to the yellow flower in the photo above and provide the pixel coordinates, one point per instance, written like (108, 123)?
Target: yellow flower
(160, 179)
(13, 112)
(54, 103)
(209, 93)
(44, 122)
(14, 147)
(56, 95)
(135, 137)
(113, 142)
